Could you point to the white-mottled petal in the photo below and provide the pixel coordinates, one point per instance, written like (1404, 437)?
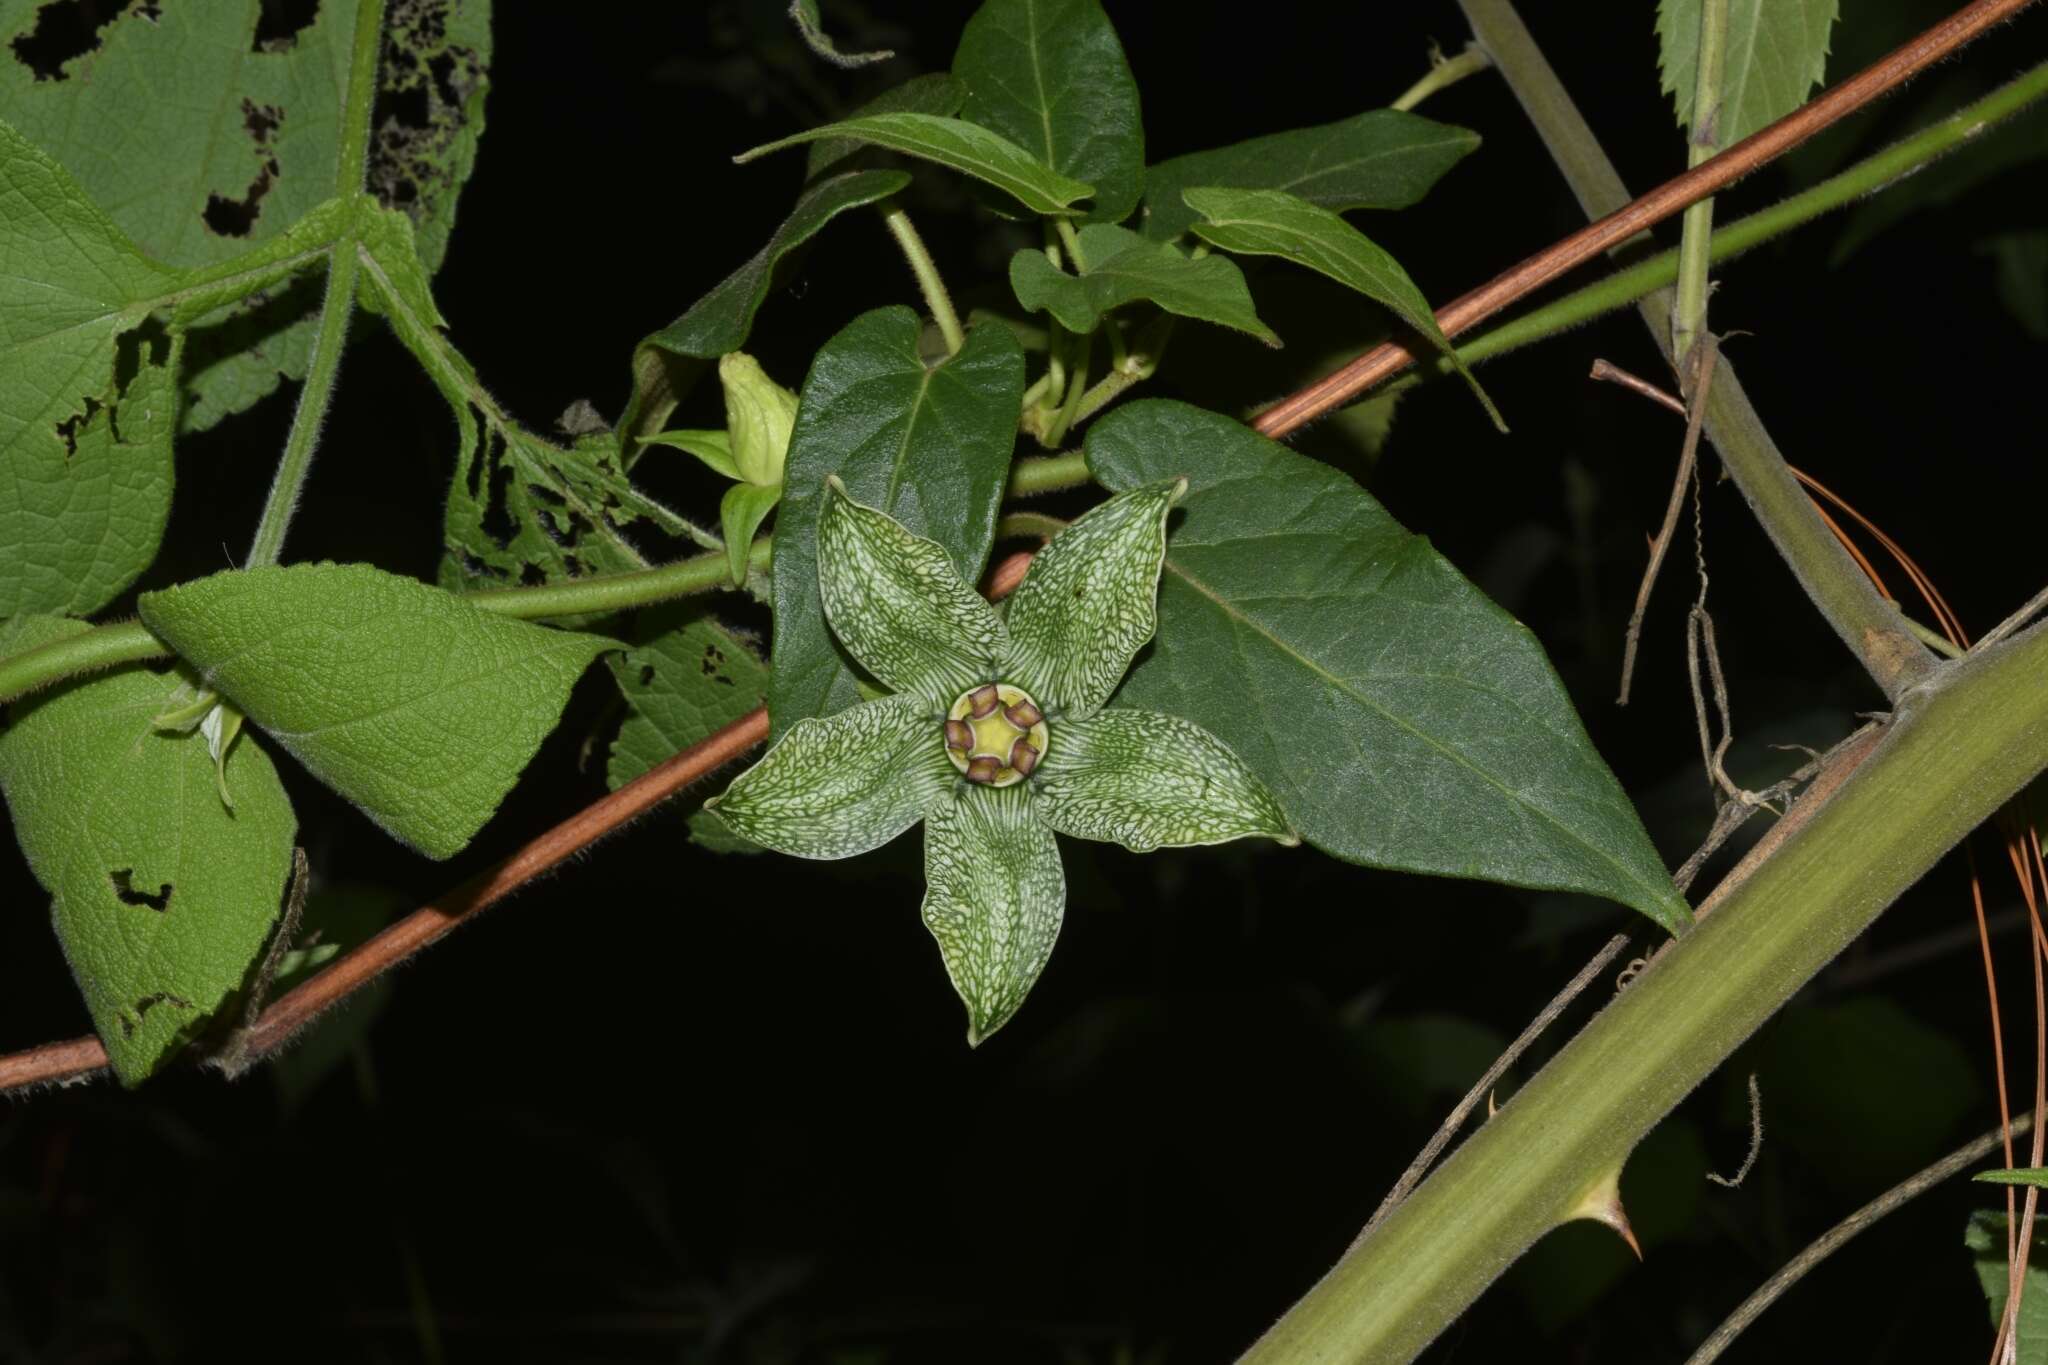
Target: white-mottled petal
(994, 896)
(1090, 601)
(839, 785)
(1146, 781)
(897, 604)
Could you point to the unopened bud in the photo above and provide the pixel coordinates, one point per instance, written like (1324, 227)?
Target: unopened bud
(759, 416)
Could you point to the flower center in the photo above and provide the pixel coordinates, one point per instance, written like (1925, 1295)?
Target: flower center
(996, 735)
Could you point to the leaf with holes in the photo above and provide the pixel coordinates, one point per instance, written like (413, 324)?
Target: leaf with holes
(685, 677)
(1381, 159)
(88, 392)
(1776, 52)
(416, 705)
(163, 898)
(1122, 268)
(956, 144)
(929, 445)
(1050, 76)
(207, 129)
(521, 510)
(1275, 223)
(1402, 719)
(667, 363)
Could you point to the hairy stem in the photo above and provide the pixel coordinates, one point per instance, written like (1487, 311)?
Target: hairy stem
(1954, 753)
(123, 642)
(928, 282)
(602, 594)
(1869, 625)
(1689, 316)
(1443, 71)
(1038, 474)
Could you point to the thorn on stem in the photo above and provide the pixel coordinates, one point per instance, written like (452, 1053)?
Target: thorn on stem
(1602, 1204)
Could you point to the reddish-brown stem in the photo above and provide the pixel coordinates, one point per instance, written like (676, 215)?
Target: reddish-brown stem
(1672, 197)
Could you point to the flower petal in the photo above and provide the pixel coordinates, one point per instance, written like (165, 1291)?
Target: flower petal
(898, 605)
(994, 895)
(1145, 780)
(1090, 601)
(843, 784)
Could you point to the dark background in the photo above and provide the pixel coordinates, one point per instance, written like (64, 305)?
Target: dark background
(669, 1106)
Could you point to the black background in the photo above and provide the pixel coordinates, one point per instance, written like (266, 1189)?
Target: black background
(667, 1106)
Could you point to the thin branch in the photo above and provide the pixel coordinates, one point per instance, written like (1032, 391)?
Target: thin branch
(929, 282)
(1688, 453)
(1830, 107)
(1443, 73)
(1482, 1089)
(2035, 605)
(1773, 1289)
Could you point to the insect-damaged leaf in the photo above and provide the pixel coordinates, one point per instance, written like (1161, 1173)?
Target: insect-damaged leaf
(163, 897)
(208, 128)
(416, 705)
(1362, 678)
(522, 509)
(929, 445)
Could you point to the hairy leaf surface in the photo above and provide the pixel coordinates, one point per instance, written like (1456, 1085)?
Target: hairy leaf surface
(1381, 159)
(929, 445)
(204, 132)
(1777, 51)
(1402, 719)
(416, 705)
(163, 897)
(1050, 76)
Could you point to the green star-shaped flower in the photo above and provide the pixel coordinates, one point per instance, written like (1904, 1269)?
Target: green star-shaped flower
(996, 735)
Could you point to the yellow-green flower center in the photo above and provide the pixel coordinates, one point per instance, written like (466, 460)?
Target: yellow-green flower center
(996, 735)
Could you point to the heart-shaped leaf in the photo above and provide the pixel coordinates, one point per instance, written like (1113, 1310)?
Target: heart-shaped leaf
(416, 705)
(163, 896)
(1362, 678)
(929, 445)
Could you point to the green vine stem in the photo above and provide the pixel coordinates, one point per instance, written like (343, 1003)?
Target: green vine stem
(927, 272)
(335, 305)
(1955, 751)
(1035, 475)
(1689, 316)
(1866, 623)
(1443, 71)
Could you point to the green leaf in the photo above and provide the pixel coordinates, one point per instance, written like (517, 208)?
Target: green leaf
(163, 897)
(414, 704)
(928, 446)
(684, 677)
(1088, 603)
(714, 448)
(1402, 719)
(666, 363)
(812, 27)
(518, 505)
(1124, 268)
(1985, 1239)
(202, 144)
(933, 93)
(1148, 781)
(1050, 76)
(1381, 159)
(2037, 1176)
(965, 147)
(837, 786)
(897, 604)
(1777, 51)
(994, 897)
(740, 513)
(1275, 223)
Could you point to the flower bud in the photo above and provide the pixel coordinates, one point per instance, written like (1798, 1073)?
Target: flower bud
(759, 415)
